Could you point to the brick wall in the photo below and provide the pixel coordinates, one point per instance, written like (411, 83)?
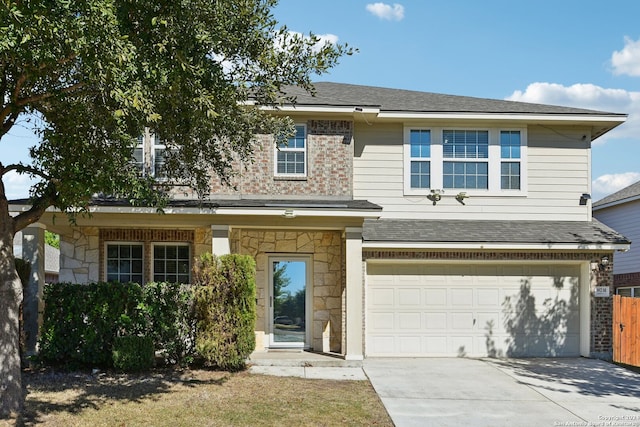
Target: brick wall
(329, 164)
(626, 279)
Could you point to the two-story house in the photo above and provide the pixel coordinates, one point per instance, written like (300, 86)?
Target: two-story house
(394, 223)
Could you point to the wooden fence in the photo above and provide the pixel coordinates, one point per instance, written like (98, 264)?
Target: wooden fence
(626, 330)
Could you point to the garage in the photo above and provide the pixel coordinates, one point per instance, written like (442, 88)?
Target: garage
(472, 310)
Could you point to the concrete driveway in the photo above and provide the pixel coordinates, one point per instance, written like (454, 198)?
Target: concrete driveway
(506, 392)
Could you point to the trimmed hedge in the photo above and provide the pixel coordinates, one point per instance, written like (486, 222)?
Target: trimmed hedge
(168, 309)
(104, 324)
(225, 310)
(81, 321)
(133, 353)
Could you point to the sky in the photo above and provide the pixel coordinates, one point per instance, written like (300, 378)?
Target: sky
(563, 52)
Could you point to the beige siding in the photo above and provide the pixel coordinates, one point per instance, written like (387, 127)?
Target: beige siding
(625, 219)
(558, 173)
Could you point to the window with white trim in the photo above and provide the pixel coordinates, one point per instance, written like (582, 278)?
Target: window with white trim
(489, 161)
(138, 155)
(124, 262)
(291, 156)
(171, 262)
(158, 148)
(420, 153)
(510, 149)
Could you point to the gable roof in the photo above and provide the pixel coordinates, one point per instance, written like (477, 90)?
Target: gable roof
(487, 233)
(627, 194)
(396, 100)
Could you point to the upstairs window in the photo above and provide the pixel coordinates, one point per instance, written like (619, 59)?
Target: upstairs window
(420, 153)
(489, 161)
(158, 149)
(510, 151)
(467, 147)
(138, 155)
(291, 156)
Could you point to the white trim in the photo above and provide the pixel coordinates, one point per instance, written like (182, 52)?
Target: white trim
(504, 116)
(298, 212)
(500, 246)
(304, 150)
(617, 202)
(437, 160)
(584, 307)
(308, 324)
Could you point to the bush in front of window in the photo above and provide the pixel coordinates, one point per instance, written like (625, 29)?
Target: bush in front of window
(225, 310)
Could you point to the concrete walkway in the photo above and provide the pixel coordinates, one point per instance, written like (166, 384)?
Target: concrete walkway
(305, 364)
(515, 392)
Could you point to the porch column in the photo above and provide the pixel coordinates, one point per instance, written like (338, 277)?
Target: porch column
(354, 294)
(33, 253)
(220, 240)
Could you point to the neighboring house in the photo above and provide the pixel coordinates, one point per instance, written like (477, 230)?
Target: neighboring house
(621, 210)
(394, 223)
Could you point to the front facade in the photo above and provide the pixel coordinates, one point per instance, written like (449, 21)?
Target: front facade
(394, 223)
(621, 210)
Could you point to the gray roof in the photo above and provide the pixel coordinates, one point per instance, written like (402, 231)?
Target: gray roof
(630, 192)
(460, 231)
(394, 100)
(348, 204)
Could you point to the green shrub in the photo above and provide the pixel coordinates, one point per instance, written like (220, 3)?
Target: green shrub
(133, 353)
(225, 310)
(168, 309)
(80, 322)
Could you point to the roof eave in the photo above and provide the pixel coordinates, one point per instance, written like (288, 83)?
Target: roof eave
(557, 246)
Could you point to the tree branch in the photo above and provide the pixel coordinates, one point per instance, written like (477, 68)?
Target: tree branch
(20, 168)
(38, 208)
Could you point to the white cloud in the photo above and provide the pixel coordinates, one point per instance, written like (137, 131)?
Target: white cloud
(627, 60)
(386, 11)
(322, 39)
(16, 186)
(588, 96)
(610, 183)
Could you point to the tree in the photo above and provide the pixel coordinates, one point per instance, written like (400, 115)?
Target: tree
(95, 73)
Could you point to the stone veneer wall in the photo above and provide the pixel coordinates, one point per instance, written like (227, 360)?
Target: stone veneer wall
(326, 249)
(80, 255)
(82, 251)
(601, 308)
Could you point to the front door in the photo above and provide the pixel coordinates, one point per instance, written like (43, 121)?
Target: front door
(289, 301)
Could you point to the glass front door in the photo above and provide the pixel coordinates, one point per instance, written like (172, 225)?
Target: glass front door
(288, 301)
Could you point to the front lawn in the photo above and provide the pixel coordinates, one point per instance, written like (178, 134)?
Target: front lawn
(197, 398)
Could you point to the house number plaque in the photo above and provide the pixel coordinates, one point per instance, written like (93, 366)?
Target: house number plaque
(602, 291)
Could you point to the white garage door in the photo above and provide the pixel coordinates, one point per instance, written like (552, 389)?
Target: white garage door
(472, 310)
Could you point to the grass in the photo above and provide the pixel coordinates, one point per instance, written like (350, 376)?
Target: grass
(197, 397)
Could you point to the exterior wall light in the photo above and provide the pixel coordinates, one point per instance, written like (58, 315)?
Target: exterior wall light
(583, 199)
(435, 195)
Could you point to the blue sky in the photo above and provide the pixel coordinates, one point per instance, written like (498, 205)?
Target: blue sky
(575, 53)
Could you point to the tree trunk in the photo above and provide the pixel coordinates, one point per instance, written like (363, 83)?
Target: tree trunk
(11, 397)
